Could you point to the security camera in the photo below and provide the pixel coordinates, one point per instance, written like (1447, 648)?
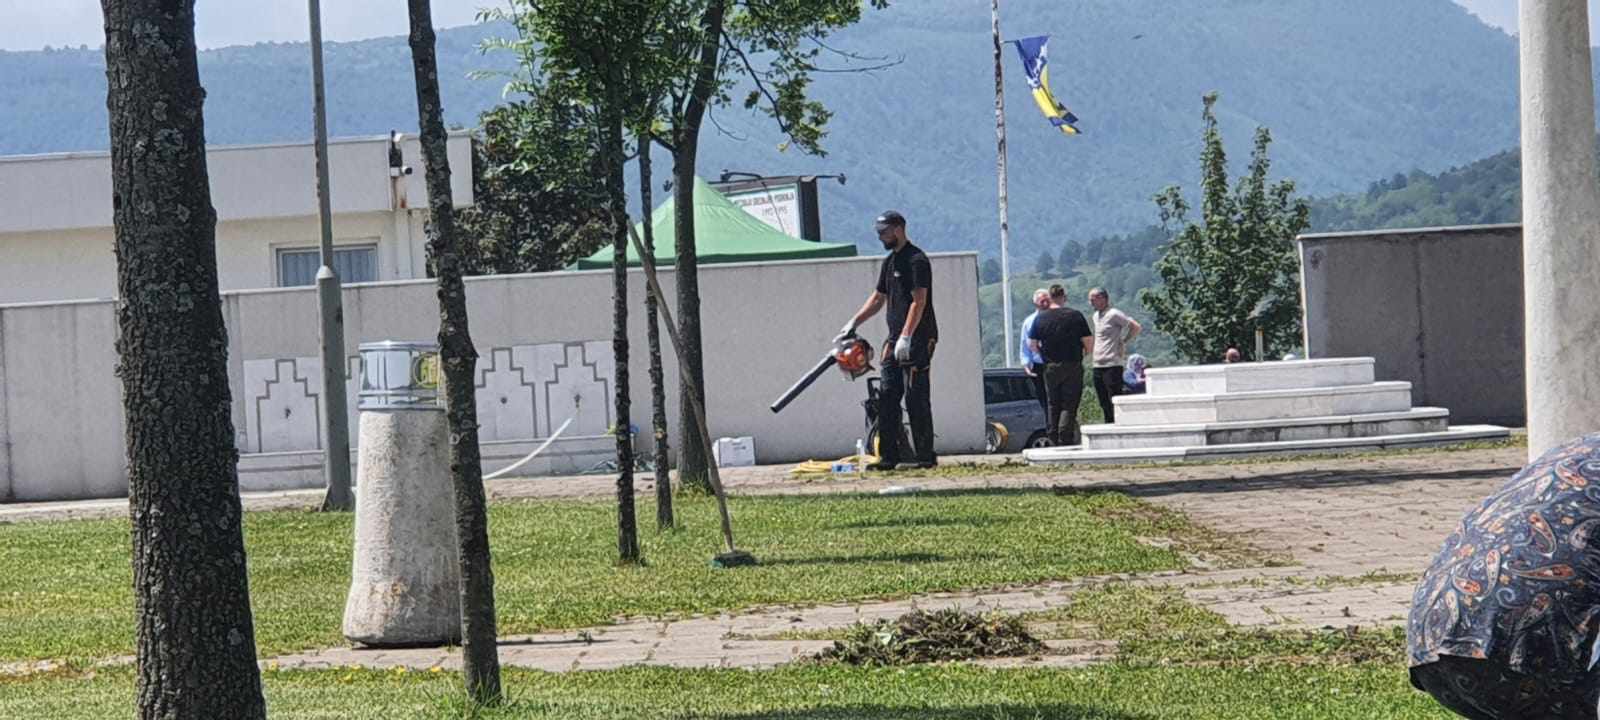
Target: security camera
(398, 171)
(395, 136)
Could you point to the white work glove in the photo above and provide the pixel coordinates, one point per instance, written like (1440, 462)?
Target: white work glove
(902, 349)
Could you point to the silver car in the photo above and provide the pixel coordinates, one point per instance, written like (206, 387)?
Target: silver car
(1010, 400)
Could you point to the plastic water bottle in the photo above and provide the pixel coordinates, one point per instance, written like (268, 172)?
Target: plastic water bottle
(861, 452)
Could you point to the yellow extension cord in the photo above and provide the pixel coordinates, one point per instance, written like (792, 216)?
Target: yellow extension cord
(824, 467)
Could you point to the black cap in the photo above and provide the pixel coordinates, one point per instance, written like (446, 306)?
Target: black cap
(888, 219)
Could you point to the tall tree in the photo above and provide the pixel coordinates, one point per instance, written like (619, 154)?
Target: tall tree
(538, 185)
(480, 656)
(1071, 253)
(194, 634)
(687, 114)
(594, 54)
(658, 389)
(1235, 270)
(691, 57)
(1044, 264)
(989, 272)
(774, 46)
(616, 196)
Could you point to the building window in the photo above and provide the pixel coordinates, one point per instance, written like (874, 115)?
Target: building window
(354, 265)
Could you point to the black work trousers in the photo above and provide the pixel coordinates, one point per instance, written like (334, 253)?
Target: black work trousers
(1107, 385)
(1063, 384)
(909, 383)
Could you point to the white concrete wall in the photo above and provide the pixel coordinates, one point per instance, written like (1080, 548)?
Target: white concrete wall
(60, 402)
(546, 355)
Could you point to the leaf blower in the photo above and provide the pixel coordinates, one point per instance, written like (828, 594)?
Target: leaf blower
(853, 356)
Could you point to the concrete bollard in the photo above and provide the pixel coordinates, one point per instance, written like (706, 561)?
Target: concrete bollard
(404, 580)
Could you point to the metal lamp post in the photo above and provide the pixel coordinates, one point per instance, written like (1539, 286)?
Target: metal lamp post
(330, 306)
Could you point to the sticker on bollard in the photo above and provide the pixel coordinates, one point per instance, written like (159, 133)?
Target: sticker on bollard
(400, 375)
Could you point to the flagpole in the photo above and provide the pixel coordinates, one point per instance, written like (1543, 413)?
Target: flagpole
(1000, 164)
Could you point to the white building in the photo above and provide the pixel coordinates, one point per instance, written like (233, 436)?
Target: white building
(56, 238)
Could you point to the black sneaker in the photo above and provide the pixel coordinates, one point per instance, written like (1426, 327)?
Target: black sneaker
(921, 465)
(882, 466)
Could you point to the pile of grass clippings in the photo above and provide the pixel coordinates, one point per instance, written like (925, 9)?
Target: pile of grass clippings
(928, 637)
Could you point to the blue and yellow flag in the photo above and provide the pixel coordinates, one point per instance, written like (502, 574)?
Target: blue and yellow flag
(1035, 53)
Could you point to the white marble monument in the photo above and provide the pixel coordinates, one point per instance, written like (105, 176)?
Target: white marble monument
(1291, 406)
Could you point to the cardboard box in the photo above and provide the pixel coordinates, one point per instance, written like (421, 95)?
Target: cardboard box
(735, 452)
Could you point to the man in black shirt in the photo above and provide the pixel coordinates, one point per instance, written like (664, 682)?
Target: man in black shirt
(1063, 337)
(905, 284)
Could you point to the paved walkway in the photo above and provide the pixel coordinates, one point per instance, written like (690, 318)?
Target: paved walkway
(1357, 529)
(1339, 518)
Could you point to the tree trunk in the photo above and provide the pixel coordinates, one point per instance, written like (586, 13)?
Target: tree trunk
(617, 201)
(194, 634)
(658, 389)
(691, 455)
(480, 659)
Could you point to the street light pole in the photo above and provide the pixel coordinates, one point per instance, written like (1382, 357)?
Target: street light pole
(330, 306)
(1000, 166)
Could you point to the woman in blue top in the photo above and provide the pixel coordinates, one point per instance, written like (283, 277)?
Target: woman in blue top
(1503, 623)
(1133, 375)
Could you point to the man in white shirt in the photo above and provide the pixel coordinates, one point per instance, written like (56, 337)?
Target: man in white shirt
(1113, 331)
(1032, 361)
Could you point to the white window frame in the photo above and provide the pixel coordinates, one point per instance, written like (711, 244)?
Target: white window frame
(279, 252)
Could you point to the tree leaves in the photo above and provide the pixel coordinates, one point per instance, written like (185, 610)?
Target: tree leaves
(1239, 258)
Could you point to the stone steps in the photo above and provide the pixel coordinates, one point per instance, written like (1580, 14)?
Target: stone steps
(1406, 422)
(1254, 377)
(1272, 404)
(1078, 455)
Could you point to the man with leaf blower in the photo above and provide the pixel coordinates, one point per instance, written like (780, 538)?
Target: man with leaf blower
(905, 285)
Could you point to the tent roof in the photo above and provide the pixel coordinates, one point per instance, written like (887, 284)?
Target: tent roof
(724, 233)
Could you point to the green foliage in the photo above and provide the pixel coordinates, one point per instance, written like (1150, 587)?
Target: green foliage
(1483, 192)
(538, 187)
(989, 272)
(1236, 270)
(1071, 252)
(1122, 282)
(939, 636)
(1044, 264)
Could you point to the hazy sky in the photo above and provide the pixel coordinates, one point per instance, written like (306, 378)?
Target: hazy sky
(32, 24)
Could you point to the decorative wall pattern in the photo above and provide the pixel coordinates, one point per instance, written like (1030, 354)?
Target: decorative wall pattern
(524, 392)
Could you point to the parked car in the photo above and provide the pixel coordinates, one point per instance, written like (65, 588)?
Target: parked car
(1009, 399)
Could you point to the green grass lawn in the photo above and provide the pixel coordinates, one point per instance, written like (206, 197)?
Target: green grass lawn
(65, 586)
(941, 692)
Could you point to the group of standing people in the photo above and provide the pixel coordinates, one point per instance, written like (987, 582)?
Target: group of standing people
(1055, 341)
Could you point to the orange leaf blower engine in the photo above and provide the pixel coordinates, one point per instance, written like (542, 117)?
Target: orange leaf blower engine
(853, 356)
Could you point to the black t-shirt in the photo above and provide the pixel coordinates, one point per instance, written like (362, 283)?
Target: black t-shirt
(1060, 332)
(903, 271)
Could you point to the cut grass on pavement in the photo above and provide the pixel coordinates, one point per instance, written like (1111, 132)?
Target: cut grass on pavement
(65, 587)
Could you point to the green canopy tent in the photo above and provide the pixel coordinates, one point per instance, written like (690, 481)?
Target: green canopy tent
(724, 233)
